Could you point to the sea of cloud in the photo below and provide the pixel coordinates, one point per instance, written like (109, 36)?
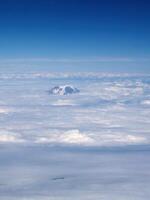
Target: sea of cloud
(109, 110)
(88, 146)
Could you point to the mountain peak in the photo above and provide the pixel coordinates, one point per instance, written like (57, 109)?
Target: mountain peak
(64, 90)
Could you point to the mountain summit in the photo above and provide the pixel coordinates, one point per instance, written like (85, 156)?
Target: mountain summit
(64, 90)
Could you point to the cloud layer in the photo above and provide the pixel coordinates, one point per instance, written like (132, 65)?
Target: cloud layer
(104, 113)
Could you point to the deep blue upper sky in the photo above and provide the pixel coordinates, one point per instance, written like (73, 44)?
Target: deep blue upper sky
(82, 34)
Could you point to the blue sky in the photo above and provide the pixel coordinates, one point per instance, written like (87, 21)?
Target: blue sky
(82, 35)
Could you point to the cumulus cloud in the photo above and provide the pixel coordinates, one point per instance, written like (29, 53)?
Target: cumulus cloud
(76, 137)
(5, 110)
(64, 102)
(10, 137)
(68, 137)
(119, 139)
(146, 102)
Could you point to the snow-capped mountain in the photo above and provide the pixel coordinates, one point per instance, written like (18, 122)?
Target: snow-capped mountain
(64, 90)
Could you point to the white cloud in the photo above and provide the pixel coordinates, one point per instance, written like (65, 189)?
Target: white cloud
(10, 137)
(76, 137)
(146, 102)
(63, 102)
(68, 137)
(5, 110)
(116, 139)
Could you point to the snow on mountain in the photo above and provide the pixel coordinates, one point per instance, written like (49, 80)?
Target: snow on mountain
(64, 90)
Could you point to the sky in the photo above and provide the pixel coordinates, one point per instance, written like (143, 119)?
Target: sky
(75, 35)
